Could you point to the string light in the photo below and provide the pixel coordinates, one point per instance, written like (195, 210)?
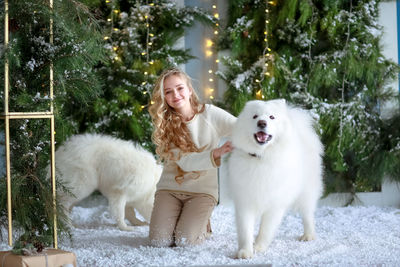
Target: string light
(209, 45)
(149, 44)
(266, 53)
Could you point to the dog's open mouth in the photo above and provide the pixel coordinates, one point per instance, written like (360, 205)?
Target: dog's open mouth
(262, 137)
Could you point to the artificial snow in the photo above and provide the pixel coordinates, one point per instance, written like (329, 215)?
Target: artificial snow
(347, 236)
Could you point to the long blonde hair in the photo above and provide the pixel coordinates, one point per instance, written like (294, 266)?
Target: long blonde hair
(169, 126)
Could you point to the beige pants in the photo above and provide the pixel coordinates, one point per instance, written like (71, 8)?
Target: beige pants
(180, 219)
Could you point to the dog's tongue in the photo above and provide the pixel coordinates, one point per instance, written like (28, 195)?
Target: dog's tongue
(261, 137)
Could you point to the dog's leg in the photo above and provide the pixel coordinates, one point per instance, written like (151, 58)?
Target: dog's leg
(307, 214)
(245, 229)
(117, 208)
(269, 224)
(130, 214)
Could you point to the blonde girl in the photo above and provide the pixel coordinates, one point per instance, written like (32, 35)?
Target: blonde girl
(186, 135)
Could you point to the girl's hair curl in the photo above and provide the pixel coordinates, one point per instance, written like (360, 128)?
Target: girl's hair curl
(170, 129)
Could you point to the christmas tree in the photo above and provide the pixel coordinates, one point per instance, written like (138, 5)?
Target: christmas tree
(74, 52)
(140, 38)
(325, 56)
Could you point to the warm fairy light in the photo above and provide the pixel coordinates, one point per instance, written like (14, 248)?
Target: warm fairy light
(116, 11)
(115, 48)
(108, 19)
(116, 29)
(209, 46)
(106, 38)
(151, 102)
(259, 95)
(143, 53)
(267, 50)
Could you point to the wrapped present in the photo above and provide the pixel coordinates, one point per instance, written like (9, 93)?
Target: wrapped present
(48, 258)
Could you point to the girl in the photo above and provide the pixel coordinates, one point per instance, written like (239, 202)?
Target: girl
(186, 134)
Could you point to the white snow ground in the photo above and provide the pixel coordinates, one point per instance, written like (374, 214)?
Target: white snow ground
(348, 236)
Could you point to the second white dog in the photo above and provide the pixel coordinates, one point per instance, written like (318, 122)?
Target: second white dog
(124, 173)
(276, 164)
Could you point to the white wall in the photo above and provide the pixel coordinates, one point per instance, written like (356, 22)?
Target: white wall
(388, 20)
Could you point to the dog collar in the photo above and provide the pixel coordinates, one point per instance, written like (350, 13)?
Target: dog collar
(254, 155)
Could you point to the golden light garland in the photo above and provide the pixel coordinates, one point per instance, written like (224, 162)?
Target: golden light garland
(209, 53)
(267, 58)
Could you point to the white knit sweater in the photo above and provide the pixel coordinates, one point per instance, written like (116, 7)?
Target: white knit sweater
(197, 172)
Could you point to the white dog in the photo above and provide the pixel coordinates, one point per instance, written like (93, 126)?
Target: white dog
(124, 173)
(276, 164)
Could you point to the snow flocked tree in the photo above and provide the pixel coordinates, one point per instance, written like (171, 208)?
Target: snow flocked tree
(140, 37)
(74, 53)
(325, 56)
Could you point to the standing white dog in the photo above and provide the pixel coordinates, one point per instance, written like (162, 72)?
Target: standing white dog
(276, 165)
(124, 173)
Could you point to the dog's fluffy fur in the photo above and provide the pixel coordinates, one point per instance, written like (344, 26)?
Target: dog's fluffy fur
(276, 164)
(123, 172)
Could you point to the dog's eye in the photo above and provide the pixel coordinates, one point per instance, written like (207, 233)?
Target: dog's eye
(255, 116)
(271, 117)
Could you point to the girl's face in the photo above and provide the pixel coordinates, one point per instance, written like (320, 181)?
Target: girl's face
(177, 94)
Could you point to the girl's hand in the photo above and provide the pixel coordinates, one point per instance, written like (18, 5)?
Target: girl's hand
(219, 152)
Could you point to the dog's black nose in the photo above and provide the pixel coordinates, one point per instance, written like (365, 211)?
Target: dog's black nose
(262, 124)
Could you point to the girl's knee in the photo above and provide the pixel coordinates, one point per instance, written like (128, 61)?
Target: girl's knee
(184, 240)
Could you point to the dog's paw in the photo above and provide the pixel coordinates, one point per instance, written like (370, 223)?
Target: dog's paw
(259, 247)
(126, 227)
(307, 237)
(244, 254)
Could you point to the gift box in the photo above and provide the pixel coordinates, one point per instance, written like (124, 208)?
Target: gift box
(48, 258)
